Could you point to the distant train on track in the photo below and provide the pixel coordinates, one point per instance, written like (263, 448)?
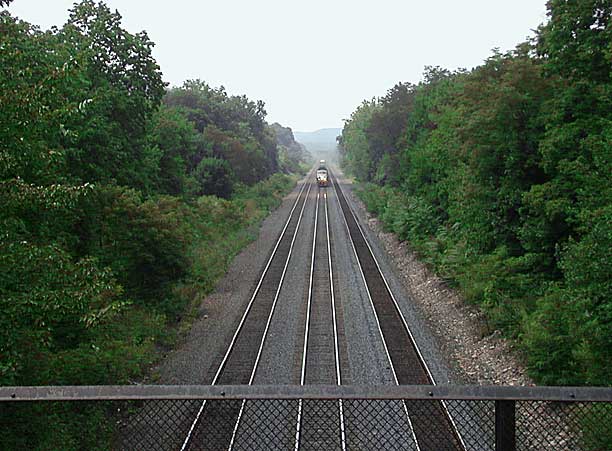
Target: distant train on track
(322, 176)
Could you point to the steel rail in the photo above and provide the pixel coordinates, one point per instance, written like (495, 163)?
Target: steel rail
(406, 328)
(251, 301)
(335, 322)
(267, 328)
(365, 283)
(337, 369)
(310, 289)
(307, 327)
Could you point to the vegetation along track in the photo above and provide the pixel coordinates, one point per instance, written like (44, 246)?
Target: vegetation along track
(215, 424)
(432, 425)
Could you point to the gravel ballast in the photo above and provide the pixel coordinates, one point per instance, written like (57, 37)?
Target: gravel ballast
(447, 331)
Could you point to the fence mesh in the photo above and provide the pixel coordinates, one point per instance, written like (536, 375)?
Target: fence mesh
(294, 424)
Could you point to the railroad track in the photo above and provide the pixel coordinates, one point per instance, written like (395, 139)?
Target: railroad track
(240, 362)
(320, 425)
(432, 425)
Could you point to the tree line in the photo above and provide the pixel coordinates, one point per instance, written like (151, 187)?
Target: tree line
(500, 178)
(123, 201)
(121, 198)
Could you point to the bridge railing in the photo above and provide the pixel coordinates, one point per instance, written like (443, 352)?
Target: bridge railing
(158, 417)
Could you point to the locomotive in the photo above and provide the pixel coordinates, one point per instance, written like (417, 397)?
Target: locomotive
(322, 176)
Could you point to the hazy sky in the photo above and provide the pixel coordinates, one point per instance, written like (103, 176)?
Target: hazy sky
(313, 61)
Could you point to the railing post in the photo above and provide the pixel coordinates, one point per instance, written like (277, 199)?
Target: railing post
(505, 426)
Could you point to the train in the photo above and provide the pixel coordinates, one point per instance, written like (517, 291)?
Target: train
(322, 176)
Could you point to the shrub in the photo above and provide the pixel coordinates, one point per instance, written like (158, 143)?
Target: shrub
(214, 177)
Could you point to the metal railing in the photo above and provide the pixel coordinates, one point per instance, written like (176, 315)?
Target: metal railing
(157, 417)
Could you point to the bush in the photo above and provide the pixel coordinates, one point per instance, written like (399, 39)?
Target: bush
(264, 196)
(143, 242)
(569, 335)
(66, 316)
(373, 196)
(214, 177)
(48, 302)
(57, 426)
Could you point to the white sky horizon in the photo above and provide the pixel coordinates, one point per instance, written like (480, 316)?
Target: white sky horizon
(314, 62)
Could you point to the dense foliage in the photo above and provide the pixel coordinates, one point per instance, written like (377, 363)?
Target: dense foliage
(499, 177)
(122, 204)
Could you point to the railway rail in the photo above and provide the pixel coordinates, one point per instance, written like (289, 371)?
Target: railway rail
(321, 360)
(316, 427)
(241, 359)
(405, 359)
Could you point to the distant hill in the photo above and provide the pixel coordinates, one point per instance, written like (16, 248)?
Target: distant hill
(320, 143)
(322, 136)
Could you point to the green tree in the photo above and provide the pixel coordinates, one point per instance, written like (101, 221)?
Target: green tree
(568, 216)
(38, 104)
(233, 128)
(214, 177)
(46, 296)
(386, 130)
(500, 178)
(179, 146)
(123, 90)
(355, 146)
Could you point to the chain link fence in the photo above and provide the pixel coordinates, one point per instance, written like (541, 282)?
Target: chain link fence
(305, 418)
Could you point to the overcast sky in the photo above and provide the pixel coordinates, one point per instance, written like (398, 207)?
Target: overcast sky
(313, 61)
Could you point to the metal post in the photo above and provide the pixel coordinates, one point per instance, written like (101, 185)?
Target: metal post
(505, 426)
